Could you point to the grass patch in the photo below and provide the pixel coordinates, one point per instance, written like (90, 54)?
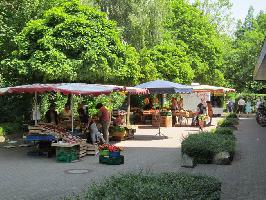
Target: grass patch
(202, 147)
(131, 186)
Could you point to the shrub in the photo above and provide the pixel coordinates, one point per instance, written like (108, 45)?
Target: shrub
(2, 132)
(232, 115)
(224, 131)
(228, 122)
(202, 147)
(177, 186)
(10, 128)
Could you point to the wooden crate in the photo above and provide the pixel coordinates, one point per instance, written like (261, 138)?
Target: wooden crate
(91, 149)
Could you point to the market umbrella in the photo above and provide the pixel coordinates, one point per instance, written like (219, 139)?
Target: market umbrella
(165, 87)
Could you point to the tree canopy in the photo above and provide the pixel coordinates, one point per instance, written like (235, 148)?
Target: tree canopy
(128, 42)
(72, 42)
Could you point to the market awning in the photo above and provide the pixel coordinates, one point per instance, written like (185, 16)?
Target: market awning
(72, 88)
(210, 88)
(165, 87)
(260, 68)
(3, 91)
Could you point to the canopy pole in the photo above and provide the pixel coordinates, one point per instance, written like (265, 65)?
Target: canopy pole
(72, 117)
(128, 109)
(35, 109)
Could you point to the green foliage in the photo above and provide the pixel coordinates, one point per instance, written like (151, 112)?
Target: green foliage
(118, 129)
(8, 128)
(231, 115)
(228, 122)
(177, 186)
(189, 25)
(140, 21)
(202, 147)
(71, 43)
(15, 108)
(2, 131)
(241, 60)
(224, 131)
(169, 62)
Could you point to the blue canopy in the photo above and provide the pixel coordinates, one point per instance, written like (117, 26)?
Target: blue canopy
(165, 87)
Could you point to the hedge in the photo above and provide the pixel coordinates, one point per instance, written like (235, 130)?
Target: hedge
(228, 122)
(224, 131)
(10, 128)
(231, 115)
(202, 147)
(131, 186)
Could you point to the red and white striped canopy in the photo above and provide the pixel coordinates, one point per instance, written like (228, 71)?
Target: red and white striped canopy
(72, 88)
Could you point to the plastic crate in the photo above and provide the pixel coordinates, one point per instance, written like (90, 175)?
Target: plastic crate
(111, 161)
(66, 154)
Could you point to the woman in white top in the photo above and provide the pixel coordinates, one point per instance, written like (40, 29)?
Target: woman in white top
(94, 132)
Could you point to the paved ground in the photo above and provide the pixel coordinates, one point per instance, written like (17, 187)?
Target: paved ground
(245, 178)
(24, 177)
(28, 178)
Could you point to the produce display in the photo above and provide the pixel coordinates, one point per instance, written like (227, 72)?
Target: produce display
(110, 155)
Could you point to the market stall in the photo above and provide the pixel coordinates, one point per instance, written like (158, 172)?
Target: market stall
(163, 117)
(50, 132)
(206, 93)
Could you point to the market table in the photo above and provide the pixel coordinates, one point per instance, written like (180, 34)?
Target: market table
(44, 144)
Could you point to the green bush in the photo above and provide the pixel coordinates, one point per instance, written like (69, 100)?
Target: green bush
(224, 131)
(202, 147)
(2, 132)
(231, 115)
(10, 128)
(228, 122)
(178, 186)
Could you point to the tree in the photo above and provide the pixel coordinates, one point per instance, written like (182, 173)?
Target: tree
(169, 62)
(141, 21)
(189, 25)
(250, 36)
(72, 42)
(13, 17)
(219, 12)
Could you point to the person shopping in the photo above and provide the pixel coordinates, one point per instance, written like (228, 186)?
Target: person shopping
(105, 120)
(210, 112)
(94, 132)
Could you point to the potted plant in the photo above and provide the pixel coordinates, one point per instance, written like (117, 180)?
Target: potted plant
(104, 149)
(201, 119)
(118, 132)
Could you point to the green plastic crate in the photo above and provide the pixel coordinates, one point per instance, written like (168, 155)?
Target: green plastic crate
(111, 161)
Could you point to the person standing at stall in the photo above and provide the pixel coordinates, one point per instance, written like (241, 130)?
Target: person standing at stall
(105, 120)
(51, 115)
(210, 112)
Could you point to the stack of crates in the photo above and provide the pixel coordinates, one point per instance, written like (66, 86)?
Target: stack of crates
(82, 151)
(66, 154)
(92, 149)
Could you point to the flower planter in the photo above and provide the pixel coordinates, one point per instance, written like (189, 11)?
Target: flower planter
(104, 153)
(114, 154)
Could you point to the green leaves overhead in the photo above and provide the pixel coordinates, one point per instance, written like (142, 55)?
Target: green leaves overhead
(170, 62)
(72, 43)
